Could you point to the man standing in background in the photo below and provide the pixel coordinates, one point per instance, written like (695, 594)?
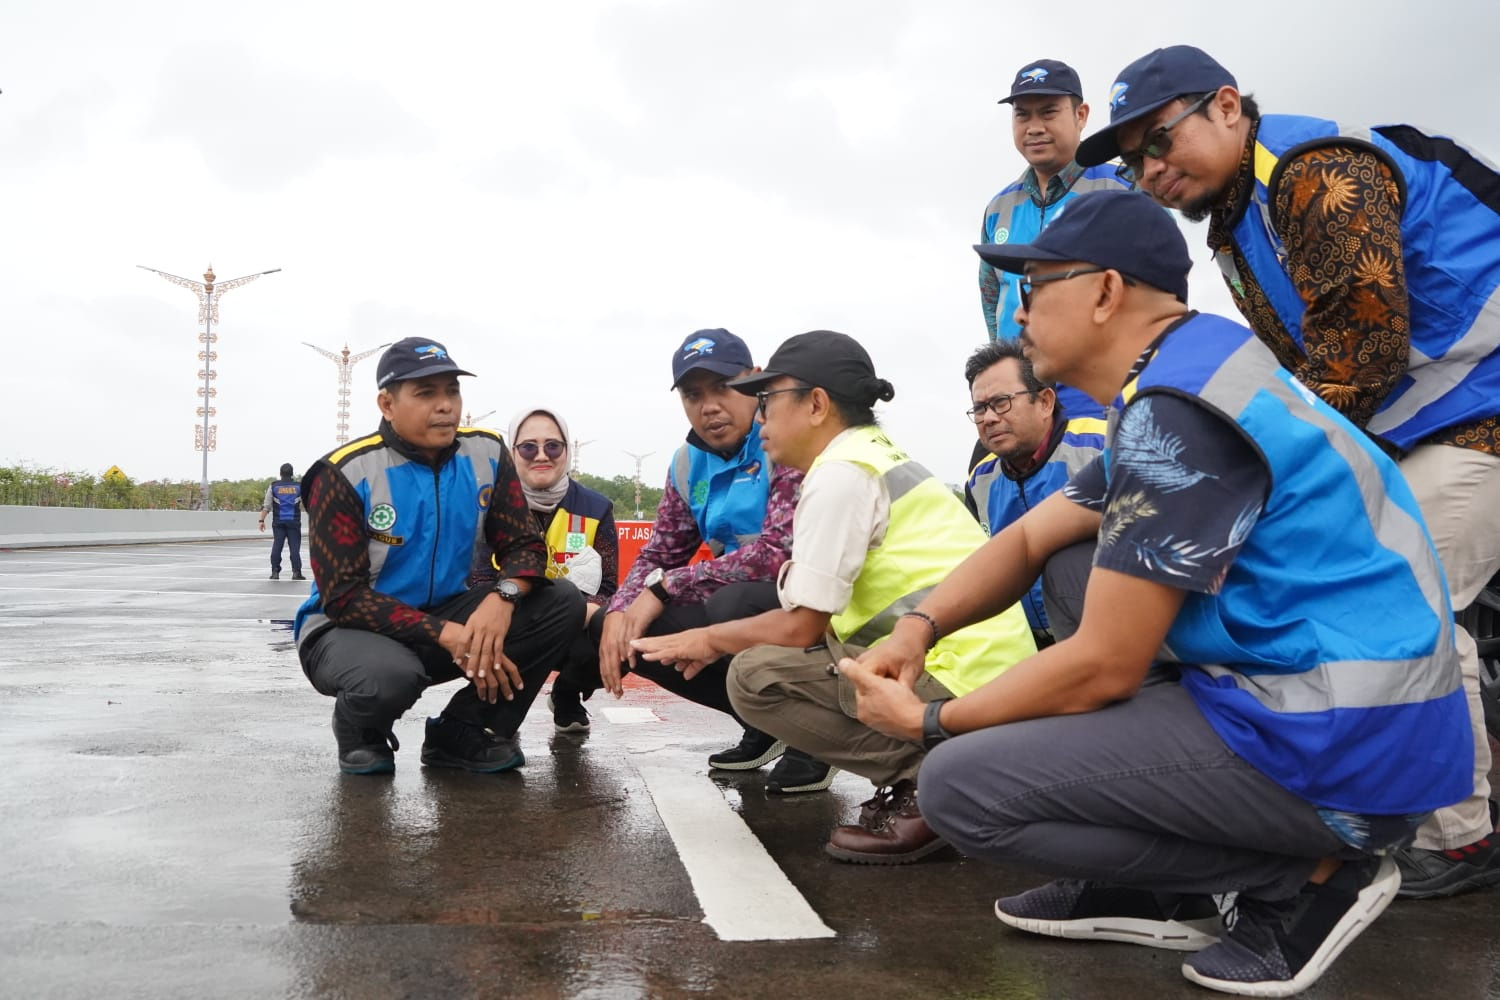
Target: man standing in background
(284, 499)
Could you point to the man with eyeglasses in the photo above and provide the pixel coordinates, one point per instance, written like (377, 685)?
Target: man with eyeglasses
(1031, 450)
(1368, 260)
(1221, 721)
(396, 520)
(721, 490)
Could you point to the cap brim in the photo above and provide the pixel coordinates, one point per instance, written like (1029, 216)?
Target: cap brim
(751, 384)
(1014, 258)
(1104, 145)
(717, 367)
(1044, 92)
(429, 370)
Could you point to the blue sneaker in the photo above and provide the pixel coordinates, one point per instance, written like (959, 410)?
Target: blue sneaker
(1097, 911)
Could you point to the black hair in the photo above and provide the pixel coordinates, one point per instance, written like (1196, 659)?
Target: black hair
(286, 470)
(1248, 107)
(861, 413)
(997, 351)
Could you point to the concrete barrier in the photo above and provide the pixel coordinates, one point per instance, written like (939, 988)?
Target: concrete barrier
(50, 527)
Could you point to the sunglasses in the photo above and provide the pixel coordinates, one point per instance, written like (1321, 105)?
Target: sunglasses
(1076, 272)
(998, 405)
(553, 449)
(1156, 145)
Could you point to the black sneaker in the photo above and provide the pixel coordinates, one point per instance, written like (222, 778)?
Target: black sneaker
(297, 575)
(568, 713)
(364, 751)
(1435, 874)
(755, 749)
(1278, 949)
(796, 772)
(455, 743)
(1096, 911)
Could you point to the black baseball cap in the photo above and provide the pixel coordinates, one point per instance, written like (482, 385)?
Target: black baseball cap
(1155, 79)
(716, 350)
(1045, 76)
(836, 362)
(1122, 230)
(414, 357)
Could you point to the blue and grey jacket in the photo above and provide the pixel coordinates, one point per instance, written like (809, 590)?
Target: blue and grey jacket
(1326, 659)
(727, 496)
(425, 524)
(1450, 236)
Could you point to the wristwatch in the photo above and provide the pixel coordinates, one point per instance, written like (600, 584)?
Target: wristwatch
(933, 732)
(509, 590)
(655, 585)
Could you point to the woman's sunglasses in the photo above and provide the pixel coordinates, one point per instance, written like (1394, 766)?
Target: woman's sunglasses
(553, 449)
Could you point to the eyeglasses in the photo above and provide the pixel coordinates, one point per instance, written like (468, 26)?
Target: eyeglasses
(1029, 280)
(762, 398)
(553, 449)
(1156, 145)
(998, 405)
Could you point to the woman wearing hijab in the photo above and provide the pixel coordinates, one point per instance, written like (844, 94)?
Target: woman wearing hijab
(578, 525)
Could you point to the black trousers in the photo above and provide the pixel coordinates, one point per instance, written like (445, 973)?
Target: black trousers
(731, 602)
(375, 678)
(290, 533)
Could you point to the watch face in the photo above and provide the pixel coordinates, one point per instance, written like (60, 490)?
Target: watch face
(654, 577)
(509, 590)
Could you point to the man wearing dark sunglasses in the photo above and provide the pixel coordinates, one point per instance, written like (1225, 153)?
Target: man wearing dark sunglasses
(721, 491)
(1032, 448)
(1368, 260)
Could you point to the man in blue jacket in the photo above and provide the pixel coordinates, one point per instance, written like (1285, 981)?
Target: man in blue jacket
(397, 520)
(283, 500)
(1368, 260)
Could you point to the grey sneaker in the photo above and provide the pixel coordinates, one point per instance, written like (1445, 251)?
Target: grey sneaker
(454, 743)
(1276, 949)
(1096, 911)
(364, 751)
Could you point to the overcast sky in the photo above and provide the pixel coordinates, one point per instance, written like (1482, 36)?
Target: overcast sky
(561, 192)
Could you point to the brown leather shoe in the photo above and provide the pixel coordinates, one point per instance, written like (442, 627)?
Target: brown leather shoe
(890, 831)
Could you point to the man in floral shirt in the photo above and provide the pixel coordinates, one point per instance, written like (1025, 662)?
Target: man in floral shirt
(395, 522)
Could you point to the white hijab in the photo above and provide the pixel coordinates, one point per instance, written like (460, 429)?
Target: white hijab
(548, 499)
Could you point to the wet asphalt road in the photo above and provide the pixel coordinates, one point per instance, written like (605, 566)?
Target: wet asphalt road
(175, 826)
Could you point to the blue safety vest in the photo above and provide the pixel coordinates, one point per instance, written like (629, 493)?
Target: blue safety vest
(727, 496)
(1001, 498)
(1326, 659)
(284, 494)
(1450, 241)
(425, 526)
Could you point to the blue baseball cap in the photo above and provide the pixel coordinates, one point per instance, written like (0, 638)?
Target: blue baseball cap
(414, 357)
(1045, 76)
(716, 350)
(1153, 80)
(1122, 230)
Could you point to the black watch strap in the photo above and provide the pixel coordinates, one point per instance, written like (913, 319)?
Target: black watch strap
(933, 732)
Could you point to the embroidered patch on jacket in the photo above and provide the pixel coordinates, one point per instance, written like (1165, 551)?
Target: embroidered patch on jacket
(382, 517)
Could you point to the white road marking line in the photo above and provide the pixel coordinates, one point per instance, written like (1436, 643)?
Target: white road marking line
(299, 597)
(744, 894)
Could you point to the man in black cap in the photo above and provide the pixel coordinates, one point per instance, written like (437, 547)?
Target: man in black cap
(1219, 722)
(723, 492)
(1368, 260)
(396, 521)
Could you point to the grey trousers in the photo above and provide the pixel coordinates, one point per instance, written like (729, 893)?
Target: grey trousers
(788, 692)
(375, 678)
(1140, 793)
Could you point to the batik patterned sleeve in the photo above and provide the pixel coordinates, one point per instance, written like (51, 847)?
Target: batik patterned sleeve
(674, 540)
(519, 552)
(1338, 213)
(759, 561)
(607, 544)
(338, 549)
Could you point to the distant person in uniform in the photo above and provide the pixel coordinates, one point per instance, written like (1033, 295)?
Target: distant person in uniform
(283, 500)
(397, 521)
